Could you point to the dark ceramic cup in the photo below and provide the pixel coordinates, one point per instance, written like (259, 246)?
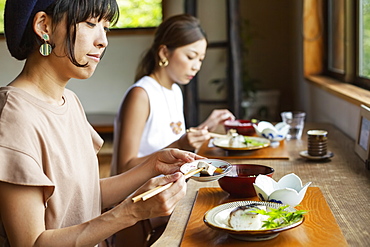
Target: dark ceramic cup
(317, 142)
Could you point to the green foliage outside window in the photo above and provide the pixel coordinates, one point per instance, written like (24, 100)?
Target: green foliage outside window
(139, 13)
(366, 38)
(2, 6)
(133, 13)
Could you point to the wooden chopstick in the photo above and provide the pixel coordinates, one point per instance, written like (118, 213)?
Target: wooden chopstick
(214, 135)
(150, 193)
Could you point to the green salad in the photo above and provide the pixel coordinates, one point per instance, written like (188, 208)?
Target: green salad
(252, 142)
(279, 217)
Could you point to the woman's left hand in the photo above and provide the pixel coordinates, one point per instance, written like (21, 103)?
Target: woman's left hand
(168, 161)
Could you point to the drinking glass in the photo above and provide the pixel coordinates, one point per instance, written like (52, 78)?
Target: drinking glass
(295, 119)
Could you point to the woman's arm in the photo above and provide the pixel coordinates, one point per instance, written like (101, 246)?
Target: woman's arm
(129, 127)
(22, 213)
(193, 139)
(167, 161)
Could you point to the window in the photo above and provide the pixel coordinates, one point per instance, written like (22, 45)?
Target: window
(348, 41)
(364, 39)
(139, 13)
(2, 6)
(336, 36)
(133, 14)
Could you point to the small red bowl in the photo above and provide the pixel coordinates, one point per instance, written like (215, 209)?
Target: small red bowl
(239, 181)
(243, 127)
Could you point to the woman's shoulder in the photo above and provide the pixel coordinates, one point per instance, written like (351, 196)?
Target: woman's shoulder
(16, 99)
(148, 85)
(146, 82)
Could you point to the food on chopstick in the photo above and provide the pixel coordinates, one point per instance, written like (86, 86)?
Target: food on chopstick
(208, 169)
(150, 193)
(257, 217)
(220, 168)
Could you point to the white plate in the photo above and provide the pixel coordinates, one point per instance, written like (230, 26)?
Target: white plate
(256, 143)
(305, 154)
(225, 166)
(217, 219)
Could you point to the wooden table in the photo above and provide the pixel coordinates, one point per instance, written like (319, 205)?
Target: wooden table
(343, 180)
(318, 229)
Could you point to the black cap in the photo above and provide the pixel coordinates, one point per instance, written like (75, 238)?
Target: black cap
(16, 17)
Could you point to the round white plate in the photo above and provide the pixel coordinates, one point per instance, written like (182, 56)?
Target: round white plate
(225, 166)
(254, 143)
(217, 218)
(305, 154)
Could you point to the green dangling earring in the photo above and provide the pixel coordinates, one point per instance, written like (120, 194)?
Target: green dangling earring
(45, 48)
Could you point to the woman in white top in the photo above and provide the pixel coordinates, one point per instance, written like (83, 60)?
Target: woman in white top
(50, 192)
(151, 114)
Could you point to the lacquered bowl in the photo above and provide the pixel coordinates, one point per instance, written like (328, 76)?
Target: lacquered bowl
(243, 127)
(239, 181)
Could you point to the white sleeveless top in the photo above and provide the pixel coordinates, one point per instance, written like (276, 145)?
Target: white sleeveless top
(166, 106)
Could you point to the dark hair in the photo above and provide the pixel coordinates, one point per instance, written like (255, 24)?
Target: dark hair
(174, 32)
(76, 11)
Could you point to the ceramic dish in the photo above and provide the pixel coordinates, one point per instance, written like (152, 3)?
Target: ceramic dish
(225, 166)
(305, 154)
(217, 219)
(269, 131)
(253, 143)
(289, 190)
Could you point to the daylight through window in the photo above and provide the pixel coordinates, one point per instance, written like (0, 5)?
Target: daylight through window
(364, 39)
(133, 14)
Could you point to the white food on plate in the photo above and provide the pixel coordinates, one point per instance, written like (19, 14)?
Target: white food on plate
(242, 218)
(237, 141)
(208, 168)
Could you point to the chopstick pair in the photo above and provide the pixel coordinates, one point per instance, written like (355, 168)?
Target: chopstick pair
(150, 193)
(214, 135)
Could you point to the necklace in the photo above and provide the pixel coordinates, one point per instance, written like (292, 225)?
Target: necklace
(175, 126)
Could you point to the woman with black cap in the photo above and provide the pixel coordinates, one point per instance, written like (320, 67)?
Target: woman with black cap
(50, 191)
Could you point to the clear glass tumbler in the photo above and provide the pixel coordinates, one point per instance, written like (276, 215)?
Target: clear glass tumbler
(295, 119)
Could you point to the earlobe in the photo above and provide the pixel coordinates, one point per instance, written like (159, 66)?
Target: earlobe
(41, 24)
(41, 28)
(163, 52)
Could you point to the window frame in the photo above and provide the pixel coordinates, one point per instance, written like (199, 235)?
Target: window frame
(352, 49)
(358, 80)
(327, 70)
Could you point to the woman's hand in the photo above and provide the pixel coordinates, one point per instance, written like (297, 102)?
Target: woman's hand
(168, 161)
(218, 116)
(163, 203)
(195, 137)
